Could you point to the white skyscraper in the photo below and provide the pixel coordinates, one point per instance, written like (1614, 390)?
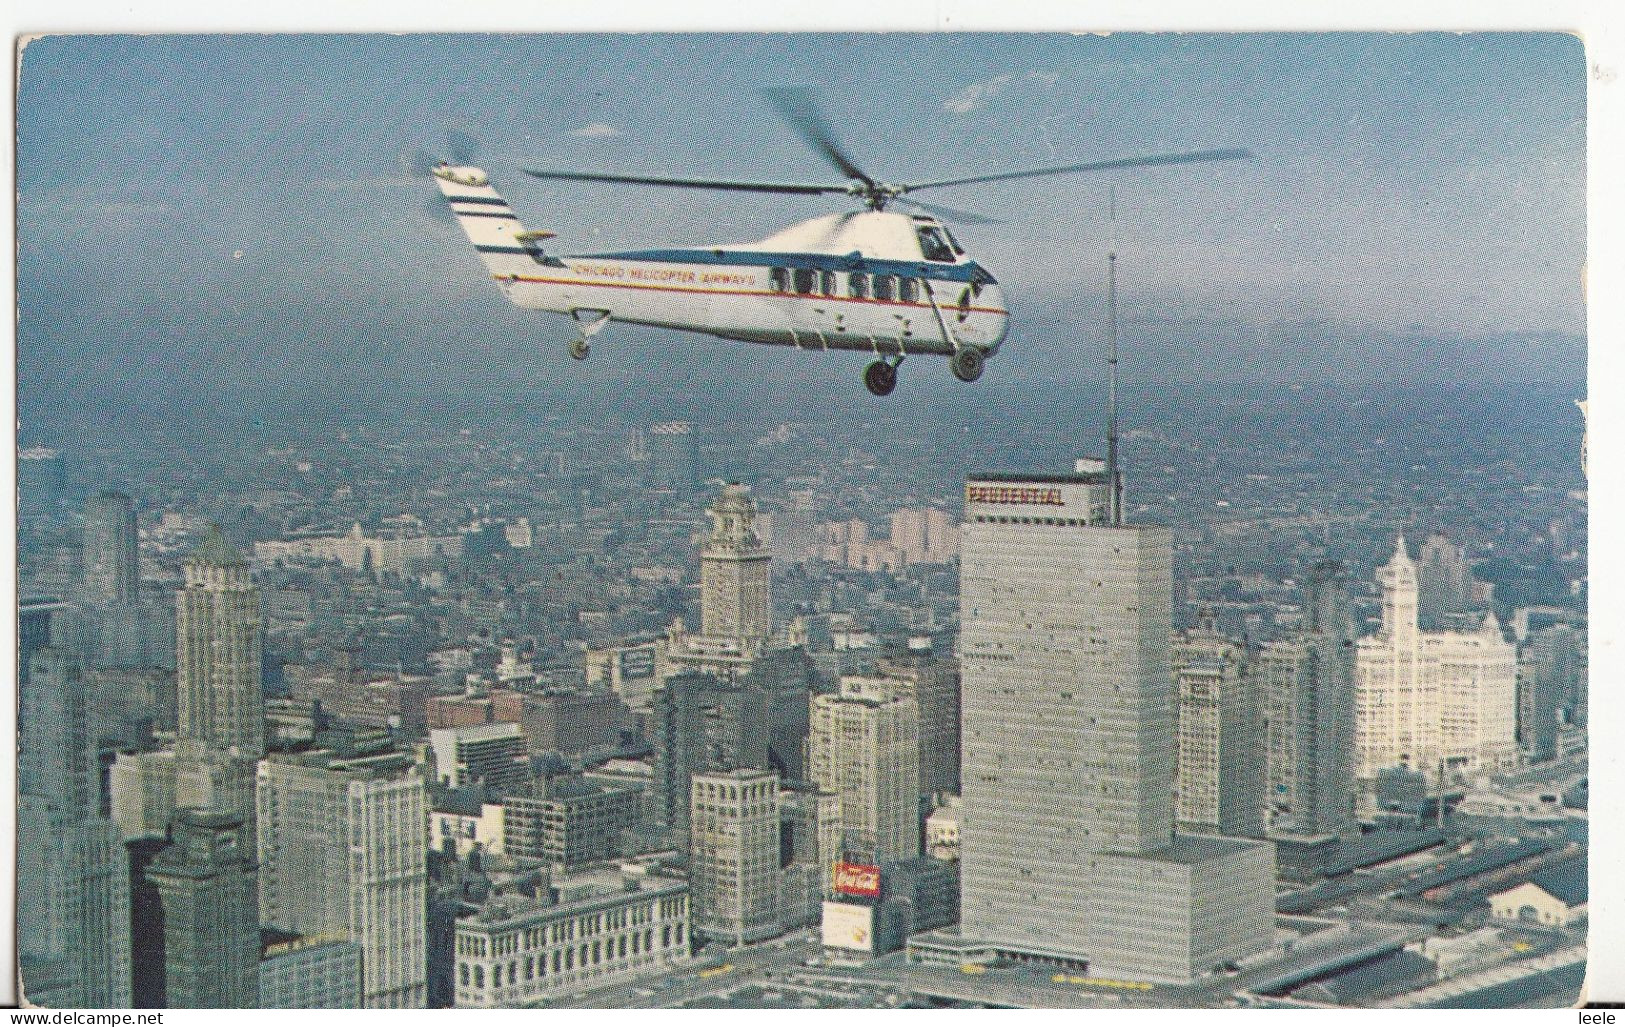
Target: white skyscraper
(1067, 842)
(343, 853)
(143, 792)
(1442, 703)
(864, 746)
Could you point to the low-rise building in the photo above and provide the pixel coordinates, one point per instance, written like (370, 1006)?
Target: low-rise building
(467, 823)
(568, 935)
(1175, 913)
(494, 755)
(567, 821)
(1555, 897)
(356, 551)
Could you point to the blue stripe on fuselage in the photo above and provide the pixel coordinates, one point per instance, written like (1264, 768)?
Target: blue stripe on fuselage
(803, 261)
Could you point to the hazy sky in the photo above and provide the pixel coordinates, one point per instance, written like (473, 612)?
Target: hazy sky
(1430, 183)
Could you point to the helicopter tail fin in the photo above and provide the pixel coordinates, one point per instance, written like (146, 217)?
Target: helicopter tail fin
(491, 225)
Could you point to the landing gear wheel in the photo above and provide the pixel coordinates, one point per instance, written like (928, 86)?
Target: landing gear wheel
(967, 364)
(880, 378)
(579, 348)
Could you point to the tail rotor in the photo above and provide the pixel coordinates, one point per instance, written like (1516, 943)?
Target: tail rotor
(460, 151)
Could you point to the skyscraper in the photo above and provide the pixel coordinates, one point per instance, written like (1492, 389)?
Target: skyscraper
(908, 534)
(809, 847)
(112, 570)
(1065, 685)
(1440, 703)
(733, 863)
(700, 725)
(1219, 764)
(864, 746)
(1068, 848)
(1308, 685)
(220, 705)
(343, 853)
(73, 889)
(735, 599)
(932, 681)
(120, 629)
(36, 616)
(795, 529)
(211, 934)
(1443, 581)
(492, 754)
(1551, 687)
(673, 459)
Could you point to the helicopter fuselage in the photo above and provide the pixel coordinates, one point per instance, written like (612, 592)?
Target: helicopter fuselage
(862, 281)
(806, 300)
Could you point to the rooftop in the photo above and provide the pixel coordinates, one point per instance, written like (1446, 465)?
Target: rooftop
(214, 549)
(566, 896)
(384, 765)
(1567, 882)
(1062, 478)
(1194, 850)
(1385, 975)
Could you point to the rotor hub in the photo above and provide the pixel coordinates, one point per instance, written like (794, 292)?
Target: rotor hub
(876, 194)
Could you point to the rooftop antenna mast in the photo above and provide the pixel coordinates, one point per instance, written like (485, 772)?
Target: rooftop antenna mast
(1114, 478)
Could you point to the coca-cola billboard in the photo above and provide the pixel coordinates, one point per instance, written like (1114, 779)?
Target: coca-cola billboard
(857, 879)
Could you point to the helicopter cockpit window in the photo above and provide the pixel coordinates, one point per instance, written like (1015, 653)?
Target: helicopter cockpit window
(804, 278)
(952, 241)
(935, 245)
(778, 280)
(857, 285)
(908, 290)
(827, 286)
(883, 287)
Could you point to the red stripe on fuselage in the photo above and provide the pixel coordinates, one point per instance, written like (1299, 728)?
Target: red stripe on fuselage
(945, 307)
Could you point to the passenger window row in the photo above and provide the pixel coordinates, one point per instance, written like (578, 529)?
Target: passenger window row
(859, 285)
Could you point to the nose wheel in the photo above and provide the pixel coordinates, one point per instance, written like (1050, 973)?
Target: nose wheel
(967, 364)
(591, 322)
(880, 378)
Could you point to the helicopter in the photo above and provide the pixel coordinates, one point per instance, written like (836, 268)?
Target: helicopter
(871, 280)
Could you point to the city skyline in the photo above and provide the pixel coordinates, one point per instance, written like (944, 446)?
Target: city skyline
(378, 655)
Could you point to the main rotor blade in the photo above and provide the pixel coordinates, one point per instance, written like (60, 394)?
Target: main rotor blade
(967, 217)
(1197, 157)
(797, 106)
(690, 183)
